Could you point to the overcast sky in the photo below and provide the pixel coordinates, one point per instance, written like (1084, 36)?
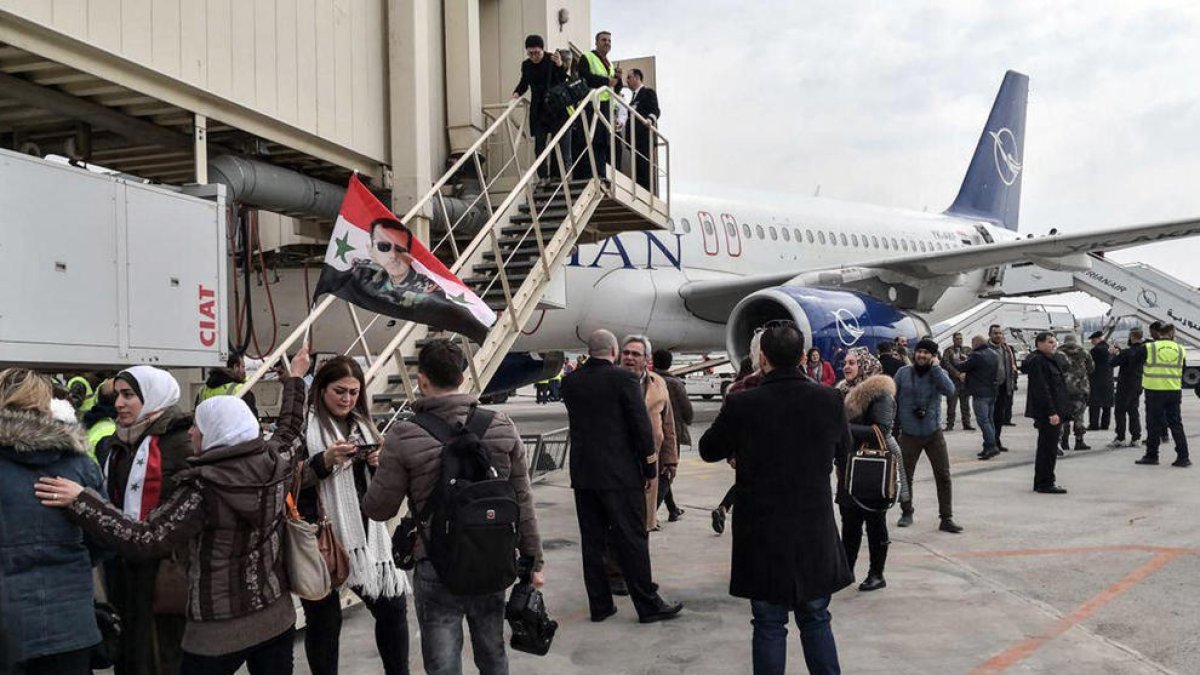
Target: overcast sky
(884, 102)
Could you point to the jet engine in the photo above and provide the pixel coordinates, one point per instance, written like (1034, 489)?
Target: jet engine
(831, 320)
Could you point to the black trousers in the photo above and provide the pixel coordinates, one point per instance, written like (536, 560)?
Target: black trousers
(642, 150)
(1047, 454)
(549, 168)
(1162, 408)
(323, 628)
(1003, 410)
(616, 517)
(665, 495)
(600, 140)
(1129, 415)
(77, 662)
(853, 520)
(273, 657)
(1099, 416)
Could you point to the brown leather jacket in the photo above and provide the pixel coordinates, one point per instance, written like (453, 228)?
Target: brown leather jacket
(411, 462)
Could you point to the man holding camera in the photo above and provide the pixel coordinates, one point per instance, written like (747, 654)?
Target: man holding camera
(919, 392)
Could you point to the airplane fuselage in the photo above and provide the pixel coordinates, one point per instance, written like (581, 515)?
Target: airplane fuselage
(630, 283)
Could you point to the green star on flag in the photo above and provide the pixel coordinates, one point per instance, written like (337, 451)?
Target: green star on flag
(343, 246)
(460, 299)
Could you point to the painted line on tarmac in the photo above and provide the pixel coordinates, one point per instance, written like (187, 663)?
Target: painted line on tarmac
(1019, 652)
(1075, 550)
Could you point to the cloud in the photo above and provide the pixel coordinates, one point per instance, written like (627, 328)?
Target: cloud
(884, 102)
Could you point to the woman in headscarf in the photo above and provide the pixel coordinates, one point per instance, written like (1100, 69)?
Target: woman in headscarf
(227, 509)
(342, 447)
(47, 622)
(818, 369)
(870, 399)
(150, 447)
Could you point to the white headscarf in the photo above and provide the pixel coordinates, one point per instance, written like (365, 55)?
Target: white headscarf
(225, 420)
(158, 389)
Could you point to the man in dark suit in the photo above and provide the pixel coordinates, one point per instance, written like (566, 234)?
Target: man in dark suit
(645, 103)
(1006, 382)
(1047, 404)
(787, 556)
(613, 460)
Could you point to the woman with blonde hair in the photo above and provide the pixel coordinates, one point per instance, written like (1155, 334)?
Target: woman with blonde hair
(870, 399)
(47, 621)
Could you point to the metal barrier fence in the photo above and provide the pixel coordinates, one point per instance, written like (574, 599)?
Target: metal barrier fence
(547, 452)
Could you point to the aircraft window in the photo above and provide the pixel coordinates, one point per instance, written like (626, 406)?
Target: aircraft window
(759, 230)
(874, 241)
(821, 236)
(904, 244)
(844, 243)
(787, 235)
(746, 230)
(796, 233)
(730, 229)
(808, 236)
(885, 244)
(687, 227)
(854, 239)
(833, 238)
(774, 234)
(923, 247)
(708, 228)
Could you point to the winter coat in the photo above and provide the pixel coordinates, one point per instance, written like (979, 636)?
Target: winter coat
(951, 357)
(891, 364)
(914, 391)
(681, 406)
(1076, 364)
(822, 372)
(411, 463)
(1006, 377)
(1101, 384)
(786, 548)
(1047, 388)
(982, 369)
(45, 566)
(538, 78)
(612, 443)
(662, 424)
(1129, 377)
(228, 508)
(872, 403)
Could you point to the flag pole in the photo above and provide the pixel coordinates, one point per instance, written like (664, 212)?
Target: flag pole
(301, 331)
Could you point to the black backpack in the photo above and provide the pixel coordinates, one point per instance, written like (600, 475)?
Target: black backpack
(469, 525)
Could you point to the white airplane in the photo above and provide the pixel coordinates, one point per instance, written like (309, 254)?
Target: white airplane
(848, 274)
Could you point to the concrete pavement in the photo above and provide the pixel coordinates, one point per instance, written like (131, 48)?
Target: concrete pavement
(1096, 581)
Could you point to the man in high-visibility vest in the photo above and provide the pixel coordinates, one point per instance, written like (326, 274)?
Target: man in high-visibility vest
(598, 72)
(1162, 380)
(81, 393)
(228, 381)
(100, 421)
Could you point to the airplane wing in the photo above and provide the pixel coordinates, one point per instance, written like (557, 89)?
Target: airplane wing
(713, 299)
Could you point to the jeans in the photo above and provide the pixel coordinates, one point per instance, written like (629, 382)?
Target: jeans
(273, 657)
(77, 662)
(1162, 413)
(440, 615)
(984, 408)
(816, 637)
(324, 626)
(939, 460)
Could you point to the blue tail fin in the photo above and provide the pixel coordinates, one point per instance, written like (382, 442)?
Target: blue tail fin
(992, 187)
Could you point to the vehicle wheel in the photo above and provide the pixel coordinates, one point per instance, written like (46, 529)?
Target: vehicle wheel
(1191, 377)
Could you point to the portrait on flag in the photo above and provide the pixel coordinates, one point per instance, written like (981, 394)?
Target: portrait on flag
(374, 261)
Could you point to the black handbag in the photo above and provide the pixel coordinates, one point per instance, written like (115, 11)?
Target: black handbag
(872, 474)
(532, 628)
(564, 95)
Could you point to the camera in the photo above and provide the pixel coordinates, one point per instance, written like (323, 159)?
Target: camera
(919, 412)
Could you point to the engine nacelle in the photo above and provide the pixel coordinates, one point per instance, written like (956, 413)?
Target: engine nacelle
(831, 320)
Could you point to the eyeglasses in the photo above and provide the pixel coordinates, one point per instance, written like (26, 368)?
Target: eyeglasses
(630, 352)
(386, 247)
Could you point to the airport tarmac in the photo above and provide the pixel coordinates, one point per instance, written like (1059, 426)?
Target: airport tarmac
(1096, 581)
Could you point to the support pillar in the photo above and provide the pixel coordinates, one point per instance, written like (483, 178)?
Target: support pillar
(464, 77)
(409, 75)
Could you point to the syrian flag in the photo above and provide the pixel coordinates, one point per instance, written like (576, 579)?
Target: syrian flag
(373, 261)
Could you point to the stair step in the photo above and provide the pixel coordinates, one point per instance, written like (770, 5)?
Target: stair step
(521, 227)
(390, 397)
(482, 282)
(493, 268)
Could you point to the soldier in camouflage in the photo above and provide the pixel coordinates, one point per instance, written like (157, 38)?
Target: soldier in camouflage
(1077, 366)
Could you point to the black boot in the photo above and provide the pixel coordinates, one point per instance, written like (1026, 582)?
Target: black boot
(875, 580)
(1080, 445)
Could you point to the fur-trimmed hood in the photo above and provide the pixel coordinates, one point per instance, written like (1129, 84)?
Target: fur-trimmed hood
(31, 438)
(859, 398)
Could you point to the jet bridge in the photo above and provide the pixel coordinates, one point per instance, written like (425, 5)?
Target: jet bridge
(1133, 289)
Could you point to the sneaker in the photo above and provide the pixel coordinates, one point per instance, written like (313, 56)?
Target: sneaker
(905, 519)
(1061, 453)
(1182, 462)
(1002, 448)
(948, 525)
(1117, 443)
(1133, 443)
(718, 520)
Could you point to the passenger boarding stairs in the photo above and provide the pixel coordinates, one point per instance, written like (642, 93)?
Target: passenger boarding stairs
(1133, 289)
(532, 225)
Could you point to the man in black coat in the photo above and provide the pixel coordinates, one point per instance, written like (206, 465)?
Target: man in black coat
(787, 556)
(613, 460)
(645, 103)
(979, 374)
(1047, 403)
(1129, 391)
(539, 73)
(1007, 382)
(1100, 394)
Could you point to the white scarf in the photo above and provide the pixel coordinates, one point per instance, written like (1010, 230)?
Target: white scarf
(159, 391)
(373, 574)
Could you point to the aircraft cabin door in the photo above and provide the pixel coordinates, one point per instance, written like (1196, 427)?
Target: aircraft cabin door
(733, 236)
(708, 230)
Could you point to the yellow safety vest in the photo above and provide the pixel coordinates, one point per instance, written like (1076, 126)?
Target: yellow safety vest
(89, 397)
(1164, 366)
(98, 432)
(597, 67)
(230, 389)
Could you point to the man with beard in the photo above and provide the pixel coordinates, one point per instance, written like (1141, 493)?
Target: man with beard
(1006, 382)
(919, 392)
